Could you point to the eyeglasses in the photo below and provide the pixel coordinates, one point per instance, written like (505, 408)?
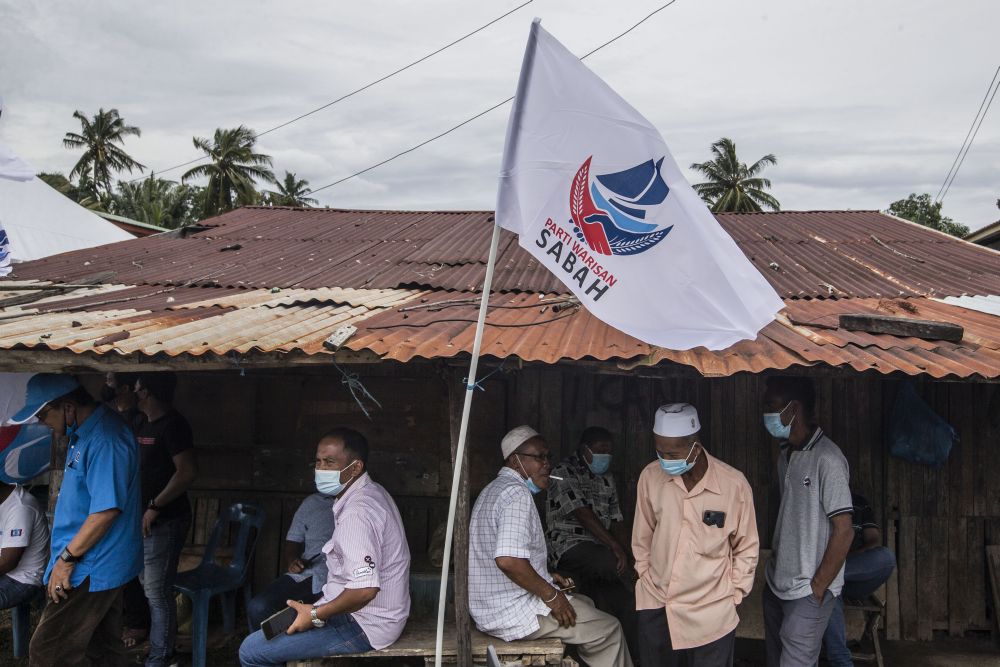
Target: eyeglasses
(544, 458)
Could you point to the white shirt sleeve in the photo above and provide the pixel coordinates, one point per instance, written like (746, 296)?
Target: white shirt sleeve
(17, 527)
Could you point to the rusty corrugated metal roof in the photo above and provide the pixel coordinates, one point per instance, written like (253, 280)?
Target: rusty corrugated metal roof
(862, 254)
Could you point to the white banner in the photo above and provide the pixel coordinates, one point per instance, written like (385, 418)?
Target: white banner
(593, 193)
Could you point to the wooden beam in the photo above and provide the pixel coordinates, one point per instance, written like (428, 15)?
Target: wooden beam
(902, 326)
(460, 551)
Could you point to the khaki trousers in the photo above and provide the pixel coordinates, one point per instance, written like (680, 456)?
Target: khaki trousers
(597, 636)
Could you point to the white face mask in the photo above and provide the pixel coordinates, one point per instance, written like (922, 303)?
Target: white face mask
(328, 481)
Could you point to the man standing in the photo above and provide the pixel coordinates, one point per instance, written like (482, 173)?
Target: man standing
(868, 566)
(695, 544)
(582, 504)
(24, 546)
(813, 533)
(96, 534)
(312, 527)
(511, 593)
(366, 599)
(168, 468)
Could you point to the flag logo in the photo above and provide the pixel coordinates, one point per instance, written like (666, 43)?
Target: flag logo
(615, 223)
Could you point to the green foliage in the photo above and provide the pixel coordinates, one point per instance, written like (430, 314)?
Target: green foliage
(83, 192)
(102, 138)
(291, 191)
(732, 186)
(156, 201)
(924, 211)
(232, 172)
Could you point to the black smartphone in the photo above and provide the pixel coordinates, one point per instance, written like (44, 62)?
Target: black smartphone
(714, 518)
(278, 623)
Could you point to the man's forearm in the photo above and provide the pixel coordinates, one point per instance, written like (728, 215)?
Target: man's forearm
(519, 571)
(350, 600)
(589, 520)
(836, 552)
(293, 550)
(178, 484)
(94, 527)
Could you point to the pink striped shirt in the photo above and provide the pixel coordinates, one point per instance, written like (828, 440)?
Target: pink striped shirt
(368, 550)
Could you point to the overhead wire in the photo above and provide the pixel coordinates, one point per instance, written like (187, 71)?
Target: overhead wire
(355, 91)
(967, 142)
(483, 112)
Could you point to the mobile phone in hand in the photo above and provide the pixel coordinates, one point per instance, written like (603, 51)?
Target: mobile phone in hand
(278, 623)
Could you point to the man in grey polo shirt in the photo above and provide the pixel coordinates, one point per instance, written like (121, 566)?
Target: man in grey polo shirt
(813, 534)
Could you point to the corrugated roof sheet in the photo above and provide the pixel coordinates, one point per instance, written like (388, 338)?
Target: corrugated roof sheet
(803, 254)
(282, 280)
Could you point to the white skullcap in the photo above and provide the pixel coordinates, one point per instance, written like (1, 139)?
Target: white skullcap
(676, 420)
(515, 438)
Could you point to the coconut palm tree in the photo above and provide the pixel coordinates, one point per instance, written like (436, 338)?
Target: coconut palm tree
(233, 170)
(155, 201)
(291, 191)
(732, 186)
(102, 138)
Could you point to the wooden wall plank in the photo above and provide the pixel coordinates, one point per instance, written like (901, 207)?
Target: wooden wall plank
(907, 565)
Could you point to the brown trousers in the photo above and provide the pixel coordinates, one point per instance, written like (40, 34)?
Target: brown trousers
(83, 630)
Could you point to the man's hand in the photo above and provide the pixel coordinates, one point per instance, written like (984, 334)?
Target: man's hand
(562, 611)
(818, 593)
(303, 621)
(59, 580)
(147, 521)
(563, 582)
(620, 557)
(296, 566)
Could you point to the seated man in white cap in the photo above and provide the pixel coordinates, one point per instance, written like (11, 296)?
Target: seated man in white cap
(695, 544)
(511, 593)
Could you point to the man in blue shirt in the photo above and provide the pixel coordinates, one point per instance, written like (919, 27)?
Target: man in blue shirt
(96, 532)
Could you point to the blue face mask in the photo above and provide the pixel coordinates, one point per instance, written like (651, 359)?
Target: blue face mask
(328, 481)
(678, 466)
(599, 463)
(772, 422)
(530, 483)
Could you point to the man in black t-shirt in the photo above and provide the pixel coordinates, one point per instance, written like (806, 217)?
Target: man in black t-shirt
(167, 468)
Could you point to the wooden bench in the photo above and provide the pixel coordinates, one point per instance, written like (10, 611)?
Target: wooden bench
(418, 640)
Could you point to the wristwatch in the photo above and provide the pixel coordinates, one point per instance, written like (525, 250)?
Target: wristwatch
(67, 557)
(316, 620)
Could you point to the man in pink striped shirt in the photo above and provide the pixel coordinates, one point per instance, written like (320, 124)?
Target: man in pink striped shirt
(366, 599)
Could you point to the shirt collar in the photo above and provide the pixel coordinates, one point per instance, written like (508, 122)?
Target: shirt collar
(813, 439)
(362, 482)
(708, 482)
(510, 472)
(90, 423)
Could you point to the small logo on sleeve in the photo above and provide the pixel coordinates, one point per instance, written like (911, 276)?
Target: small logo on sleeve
(16, 532)
(365, 570)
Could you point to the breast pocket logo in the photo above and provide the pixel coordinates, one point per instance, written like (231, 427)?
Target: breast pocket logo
(806, 481)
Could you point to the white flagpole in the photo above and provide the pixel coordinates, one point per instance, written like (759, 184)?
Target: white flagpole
(470, 385)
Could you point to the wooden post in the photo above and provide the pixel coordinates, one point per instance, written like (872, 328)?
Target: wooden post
(56, 465)
(463, 622)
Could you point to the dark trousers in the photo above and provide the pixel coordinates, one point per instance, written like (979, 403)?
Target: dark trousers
(656, 650)
(134, 606)
(594, 570)
(273, 597)
(85, 629)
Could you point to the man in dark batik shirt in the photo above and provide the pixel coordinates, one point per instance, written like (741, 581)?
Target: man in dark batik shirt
(580, 510)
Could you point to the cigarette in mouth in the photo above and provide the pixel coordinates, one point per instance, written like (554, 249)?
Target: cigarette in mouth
(556, 478)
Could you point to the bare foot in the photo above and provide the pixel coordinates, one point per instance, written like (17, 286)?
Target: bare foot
(132, 636)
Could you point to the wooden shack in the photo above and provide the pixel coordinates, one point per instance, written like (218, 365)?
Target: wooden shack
(272, 315)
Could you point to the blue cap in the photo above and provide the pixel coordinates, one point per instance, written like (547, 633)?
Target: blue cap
(42, 389)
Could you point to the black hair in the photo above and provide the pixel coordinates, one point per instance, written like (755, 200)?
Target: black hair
(354, 442)
(595, 434)
(161, 385)
(78, 396)
(793, 388)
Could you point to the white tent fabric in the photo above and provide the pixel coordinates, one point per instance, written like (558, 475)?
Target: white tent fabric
(40, 221)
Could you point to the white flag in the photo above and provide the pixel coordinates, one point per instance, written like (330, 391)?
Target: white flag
(593, 193)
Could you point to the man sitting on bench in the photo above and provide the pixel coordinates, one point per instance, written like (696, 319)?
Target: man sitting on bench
(24, 546)
(511, 593)
(366, 599)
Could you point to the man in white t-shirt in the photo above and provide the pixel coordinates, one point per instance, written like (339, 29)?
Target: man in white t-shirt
(24, 546)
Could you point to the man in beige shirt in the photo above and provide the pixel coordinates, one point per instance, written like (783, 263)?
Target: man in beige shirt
(695, 544)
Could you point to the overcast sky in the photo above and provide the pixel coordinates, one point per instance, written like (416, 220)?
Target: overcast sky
(861, 101)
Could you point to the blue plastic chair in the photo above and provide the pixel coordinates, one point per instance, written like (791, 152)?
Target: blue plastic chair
(210, 579)
(20, 623)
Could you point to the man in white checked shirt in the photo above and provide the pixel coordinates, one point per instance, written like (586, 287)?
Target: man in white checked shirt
(511, 593)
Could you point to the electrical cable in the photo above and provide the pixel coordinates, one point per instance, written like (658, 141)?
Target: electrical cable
(939, 196)
(481, 113)
(968, 147)
(356, 91)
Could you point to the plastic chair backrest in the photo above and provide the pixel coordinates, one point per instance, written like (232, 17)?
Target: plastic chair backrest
(250, 519)
(491, 657)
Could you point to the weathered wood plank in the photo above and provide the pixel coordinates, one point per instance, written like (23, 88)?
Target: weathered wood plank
(907, 566)
(993, 563)
(902, 326)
